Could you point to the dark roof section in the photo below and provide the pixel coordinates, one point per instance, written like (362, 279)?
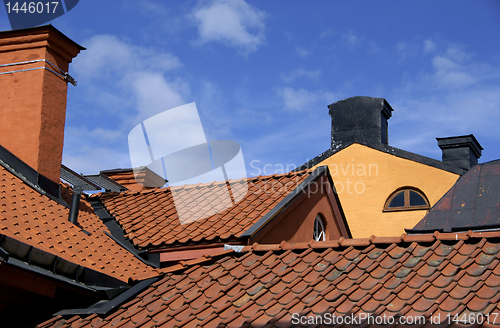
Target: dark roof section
(106, 183)
(78, 181)
(473, 203)
(30, 176)
(390, 150)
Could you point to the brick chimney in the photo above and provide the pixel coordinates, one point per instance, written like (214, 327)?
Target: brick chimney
(461, 151)
(33, 93)
(360, 119)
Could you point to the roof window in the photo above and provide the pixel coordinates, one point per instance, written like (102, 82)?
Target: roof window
(406, 199)
(319, 233)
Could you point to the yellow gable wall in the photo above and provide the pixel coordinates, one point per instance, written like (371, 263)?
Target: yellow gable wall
(365, 178)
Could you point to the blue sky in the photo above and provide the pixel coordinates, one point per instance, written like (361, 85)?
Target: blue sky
(263, 72)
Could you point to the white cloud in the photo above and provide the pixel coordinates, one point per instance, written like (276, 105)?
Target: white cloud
(120, 84)
(299, 100)
(300, 73)
(129, 74)
(350, 38)
(418, 121)
(302, 52)
(254, 117)
(406, 50)
(429, 46)
(455, 95)
(109, 57)
(234, 23)
(154, 94)
(454, 69)
(92, 150)
(92, 160)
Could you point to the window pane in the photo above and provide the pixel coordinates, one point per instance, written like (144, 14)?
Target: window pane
(398, 200)
(416, 199)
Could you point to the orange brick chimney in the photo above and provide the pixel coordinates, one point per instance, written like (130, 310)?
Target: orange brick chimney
(33, 93)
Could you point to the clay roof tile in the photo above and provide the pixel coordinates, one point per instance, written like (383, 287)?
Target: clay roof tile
(267, 284)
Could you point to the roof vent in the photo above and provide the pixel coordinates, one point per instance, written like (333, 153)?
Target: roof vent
(360, 119)
(74, 208)
(461, 151)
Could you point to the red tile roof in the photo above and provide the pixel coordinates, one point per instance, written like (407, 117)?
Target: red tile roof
(36, 220)
(434, 276)
(149, 218)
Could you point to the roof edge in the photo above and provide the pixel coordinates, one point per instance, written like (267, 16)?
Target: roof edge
(30, 176)
(116, 233)
(104, 307)
(389, 150)
(42, 28)
(284, 203)
(35, 260)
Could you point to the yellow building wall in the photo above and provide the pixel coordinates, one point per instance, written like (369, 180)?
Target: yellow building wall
(365, 177)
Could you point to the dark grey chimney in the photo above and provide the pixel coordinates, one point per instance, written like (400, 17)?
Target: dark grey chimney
(360, 119)
(74, 208)
(461, 151)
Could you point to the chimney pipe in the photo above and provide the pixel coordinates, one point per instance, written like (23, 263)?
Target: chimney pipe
(74, 208)
(461, 151)
(360, 119)
(33, 82)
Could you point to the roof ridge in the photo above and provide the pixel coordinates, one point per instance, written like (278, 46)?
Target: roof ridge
(207, 184)
(185, 264)
(364, 242)
(405, 154)
(342, 242)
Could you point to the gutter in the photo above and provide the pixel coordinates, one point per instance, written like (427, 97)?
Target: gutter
(32, 259)
(104, 307)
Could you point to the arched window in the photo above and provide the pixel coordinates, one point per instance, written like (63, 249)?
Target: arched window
(406, 199)
(319, 232)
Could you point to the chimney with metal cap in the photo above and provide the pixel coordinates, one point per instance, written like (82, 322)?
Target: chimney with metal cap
(33, 82)
(461, 151)
(360, 119)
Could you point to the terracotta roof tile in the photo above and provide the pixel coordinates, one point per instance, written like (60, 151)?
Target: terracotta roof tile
(149, 217)
(236, 291)
(37, 220)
